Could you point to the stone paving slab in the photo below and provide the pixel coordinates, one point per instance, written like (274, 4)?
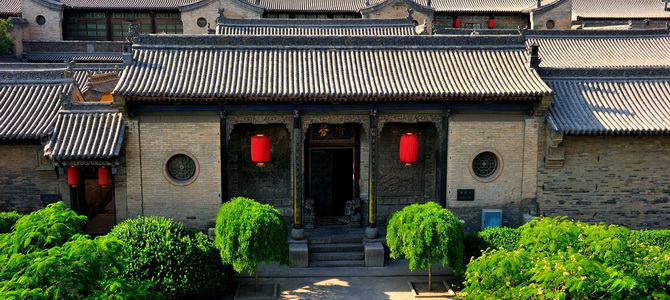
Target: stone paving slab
(350, 288)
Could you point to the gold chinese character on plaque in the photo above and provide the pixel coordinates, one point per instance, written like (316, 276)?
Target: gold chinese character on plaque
(340, 130)
(324, 130)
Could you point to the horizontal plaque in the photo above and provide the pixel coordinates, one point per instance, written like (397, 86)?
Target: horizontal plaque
(465, 195)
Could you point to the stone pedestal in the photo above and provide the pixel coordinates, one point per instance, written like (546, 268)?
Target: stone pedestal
(371, 232)
(299, 254)
(374, 254)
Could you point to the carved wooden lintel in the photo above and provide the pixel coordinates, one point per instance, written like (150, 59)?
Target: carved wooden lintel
(335, 119)
(411, 118)
(263, 119)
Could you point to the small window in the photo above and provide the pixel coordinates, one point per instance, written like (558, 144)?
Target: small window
(551, 24)
(202, 22)
(486, 165)
(40, 20)
(181, 168)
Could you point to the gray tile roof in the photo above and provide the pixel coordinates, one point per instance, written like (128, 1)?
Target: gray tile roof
(10, 7)
(619, 9)
(127, 4)
(610, 106)
(315, 27)
(641, 51)
(76, 57)
(86, 131)
(353, 6)
(317, 68)
(29, 102)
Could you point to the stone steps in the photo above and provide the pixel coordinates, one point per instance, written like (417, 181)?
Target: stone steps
(336, 252)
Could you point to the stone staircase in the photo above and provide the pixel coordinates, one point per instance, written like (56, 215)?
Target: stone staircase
(336, 252)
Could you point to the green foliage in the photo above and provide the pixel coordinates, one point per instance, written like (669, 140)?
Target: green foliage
(7, 220)
(45, 257)
(561, 259)
(183, 263)
(426, 234)
(43, 229)
(6, 41)
(491, 238)
(249, 233)
(659, 238)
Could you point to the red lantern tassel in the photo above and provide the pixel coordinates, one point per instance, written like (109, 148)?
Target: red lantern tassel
(104, 178)
(260, 149)
(72, 176)
(409, 148)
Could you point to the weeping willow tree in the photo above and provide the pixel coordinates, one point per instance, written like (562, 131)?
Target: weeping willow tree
(426, 234)
(249, 233)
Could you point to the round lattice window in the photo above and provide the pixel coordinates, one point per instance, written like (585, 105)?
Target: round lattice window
(202, 22)
(485, 164)
(181, 168)
(40, 20)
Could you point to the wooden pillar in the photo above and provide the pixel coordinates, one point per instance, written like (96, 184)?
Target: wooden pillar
(444, 139)
(297, 175)
(223, 132)
(373, 137)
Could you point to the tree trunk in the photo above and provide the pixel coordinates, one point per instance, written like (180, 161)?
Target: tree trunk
(430, 278)
(256, 271)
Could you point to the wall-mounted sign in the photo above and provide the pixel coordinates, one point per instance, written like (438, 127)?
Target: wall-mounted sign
(465, 195)
(331, 133)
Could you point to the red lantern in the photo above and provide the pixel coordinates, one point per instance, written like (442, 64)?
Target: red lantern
(260, 149)
(492, 23)
(104, 178)
(409, 148)
(458, 23)
(72, 176)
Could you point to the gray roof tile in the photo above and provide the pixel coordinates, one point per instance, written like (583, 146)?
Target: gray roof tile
(29, 102)
(610, 106)
(381, 67)
(86, 131)
(76, 57)
(125, 4)
(10, 7)
(603, 51)
(315, 27)
(619, 9)
(353, 6)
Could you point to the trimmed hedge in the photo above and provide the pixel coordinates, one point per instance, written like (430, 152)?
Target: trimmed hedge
(183, 263)
(7, 220)
(491, 238)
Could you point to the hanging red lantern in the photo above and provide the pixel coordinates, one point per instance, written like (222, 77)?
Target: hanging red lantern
(104, 177)
(72, 176)
(260, 149)
(457, 24)
(492, 23)
(409, 148)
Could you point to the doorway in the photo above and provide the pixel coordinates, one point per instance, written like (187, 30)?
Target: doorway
(94, 201)
(332, 173)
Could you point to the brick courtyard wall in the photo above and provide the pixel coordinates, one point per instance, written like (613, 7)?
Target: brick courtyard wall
(613, 179)
(22, 182)
(210, 11)
(514, 139)
(160, 137)
(53, 14)
(270, 184)
(560, 13)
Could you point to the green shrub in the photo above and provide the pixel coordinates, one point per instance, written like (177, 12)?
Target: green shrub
(6, 41)
(42, 229)
(249, 233)
(7, 220)
(561, 259)
(44, 257)
(426, 234)
(491, 238)
(182, 263)
(659, 238)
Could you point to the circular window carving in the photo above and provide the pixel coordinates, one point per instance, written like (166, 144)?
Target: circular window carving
(551, 24)
(181, 168)
(202, 22)
(40, 20)
(486, 165)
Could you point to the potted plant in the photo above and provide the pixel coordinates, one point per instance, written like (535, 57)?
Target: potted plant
(426, 234)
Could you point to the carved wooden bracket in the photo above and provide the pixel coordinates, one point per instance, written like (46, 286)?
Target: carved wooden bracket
(269, 119)
(411, 118)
